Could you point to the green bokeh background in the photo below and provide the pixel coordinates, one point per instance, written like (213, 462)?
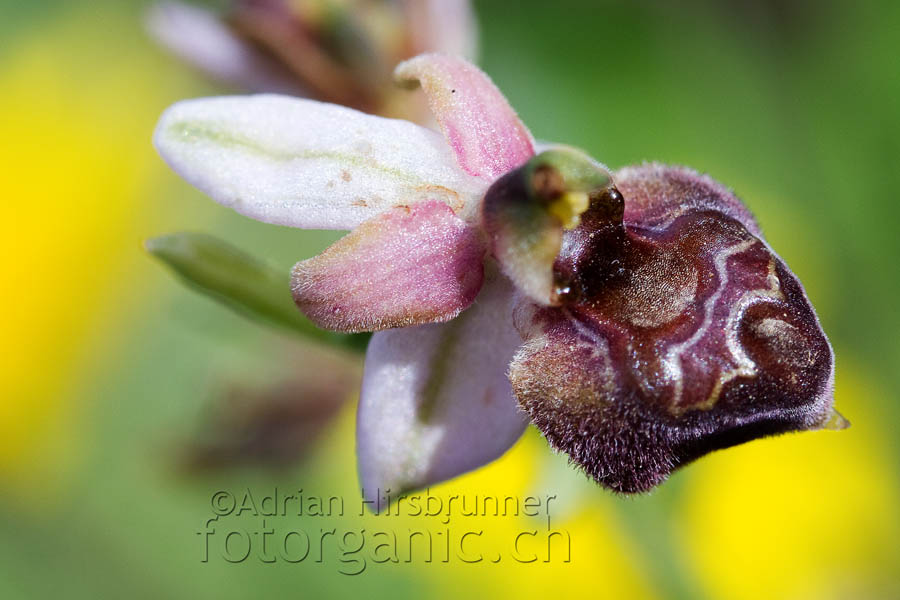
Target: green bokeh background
(794, 104)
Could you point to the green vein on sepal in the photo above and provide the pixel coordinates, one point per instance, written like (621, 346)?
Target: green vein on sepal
(195, 131)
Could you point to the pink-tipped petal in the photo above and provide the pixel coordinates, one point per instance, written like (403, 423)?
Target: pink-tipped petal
(478, 122)
(435, 399)
(410, 265)
(302, 163)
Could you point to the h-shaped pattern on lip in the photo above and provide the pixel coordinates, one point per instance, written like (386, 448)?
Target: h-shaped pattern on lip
(673, 340)
(637, 317)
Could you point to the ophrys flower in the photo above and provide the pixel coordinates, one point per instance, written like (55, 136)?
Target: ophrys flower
(640, 316)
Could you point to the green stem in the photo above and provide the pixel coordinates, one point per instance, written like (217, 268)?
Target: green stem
(647, 520)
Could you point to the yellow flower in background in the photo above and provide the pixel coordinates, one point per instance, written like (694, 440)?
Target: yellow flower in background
(593, 547)
(798, 516)
(76, 164)
(810, 516)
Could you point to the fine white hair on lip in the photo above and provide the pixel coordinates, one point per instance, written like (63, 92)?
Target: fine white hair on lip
(303, 163)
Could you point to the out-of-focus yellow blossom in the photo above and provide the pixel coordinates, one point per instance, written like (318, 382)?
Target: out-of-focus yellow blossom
(794, 516)
(76, 162)
(601, 549)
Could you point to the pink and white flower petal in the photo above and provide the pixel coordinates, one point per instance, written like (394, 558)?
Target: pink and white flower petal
(202, 39)
(302, 163)
(406, 266)
(435, 399)
(478, 122)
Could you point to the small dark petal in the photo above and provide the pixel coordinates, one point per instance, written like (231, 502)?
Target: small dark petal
(272, 425)
(282, 33)
(681, 333)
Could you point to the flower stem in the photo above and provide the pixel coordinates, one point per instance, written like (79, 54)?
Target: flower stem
(243, 283)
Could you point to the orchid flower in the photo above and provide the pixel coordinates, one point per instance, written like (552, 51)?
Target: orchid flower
(340, 51)
(638, 318)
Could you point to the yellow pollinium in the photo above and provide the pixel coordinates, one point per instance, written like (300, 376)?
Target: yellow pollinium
(568, 208)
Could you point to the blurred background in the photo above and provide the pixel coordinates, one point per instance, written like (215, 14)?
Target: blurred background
(123, 402)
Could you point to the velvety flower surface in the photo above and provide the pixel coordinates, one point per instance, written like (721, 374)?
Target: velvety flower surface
(679, 332)
(638, 318)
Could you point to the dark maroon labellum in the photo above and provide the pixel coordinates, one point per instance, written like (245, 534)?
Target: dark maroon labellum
(679, 332)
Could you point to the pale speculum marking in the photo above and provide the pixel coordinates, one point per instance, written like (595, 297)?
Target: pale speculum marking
(618, 374)
(672, 363)
(652, 305)
(599, 348)
(745, 365)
